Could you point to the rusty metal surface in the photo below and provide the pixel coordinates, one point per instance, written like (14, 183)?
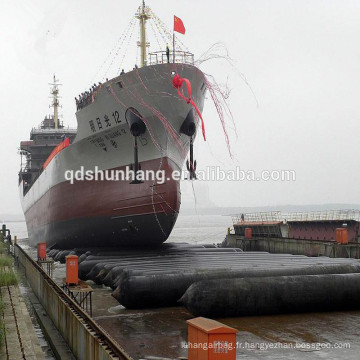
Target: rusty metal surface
(311, 248)
(85, 337)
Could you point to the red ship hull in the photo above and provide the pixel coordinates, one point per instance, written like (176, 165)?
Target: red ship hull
(107, 213)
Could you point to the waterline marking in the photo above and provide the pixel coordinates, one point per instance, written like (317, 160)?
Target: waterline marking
(210, 173)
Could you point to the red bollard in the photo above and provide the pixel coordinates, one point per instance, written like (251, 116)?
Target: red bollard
(209, 339)
(72, 277)
(248, 233)
(342, 236)
(41, 251)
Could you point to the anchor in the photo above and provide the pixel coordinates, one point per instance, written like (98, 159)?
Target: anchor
(137, 165)
(137, 128)
(188, 127)
(191, 165)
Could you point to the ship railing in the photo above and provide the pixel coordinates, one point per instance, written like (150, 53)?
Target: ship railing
(35, 173)
(327, 215)
(160, 57)
(27, 143)
(53, 130)
(277, 216)
(258, 217)
(27, 169)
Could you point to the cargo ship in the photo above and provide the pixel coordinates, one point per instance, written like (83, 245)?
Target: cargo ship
(140, 120)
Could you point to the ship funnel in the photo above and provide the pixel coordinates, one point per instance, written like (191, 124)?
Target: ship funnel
(188, 127)
(134, 120)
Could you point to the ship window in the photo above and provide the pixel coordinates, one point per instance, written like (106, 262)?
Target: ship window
(120, 84)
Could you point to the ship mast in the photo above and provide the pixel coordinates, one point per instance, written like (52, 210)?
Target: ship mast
(55, 101)
(142, 15)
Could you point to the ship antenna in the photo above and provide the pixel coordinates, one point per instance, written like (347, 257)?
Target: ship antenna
(143, 16)
(55, 100)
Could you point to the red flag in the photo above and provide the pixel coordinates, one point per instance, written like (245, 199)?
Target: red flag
(178, 25)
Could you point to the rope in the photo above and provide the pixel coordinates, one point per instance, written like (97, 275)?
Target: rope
(179, 44)
(156, 37)
(138, 48)
(161, 32)
(117, 46)
(126, 49)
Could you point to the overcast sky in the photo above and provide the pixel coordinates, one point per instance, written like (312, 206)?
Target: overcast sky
(301, 58)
